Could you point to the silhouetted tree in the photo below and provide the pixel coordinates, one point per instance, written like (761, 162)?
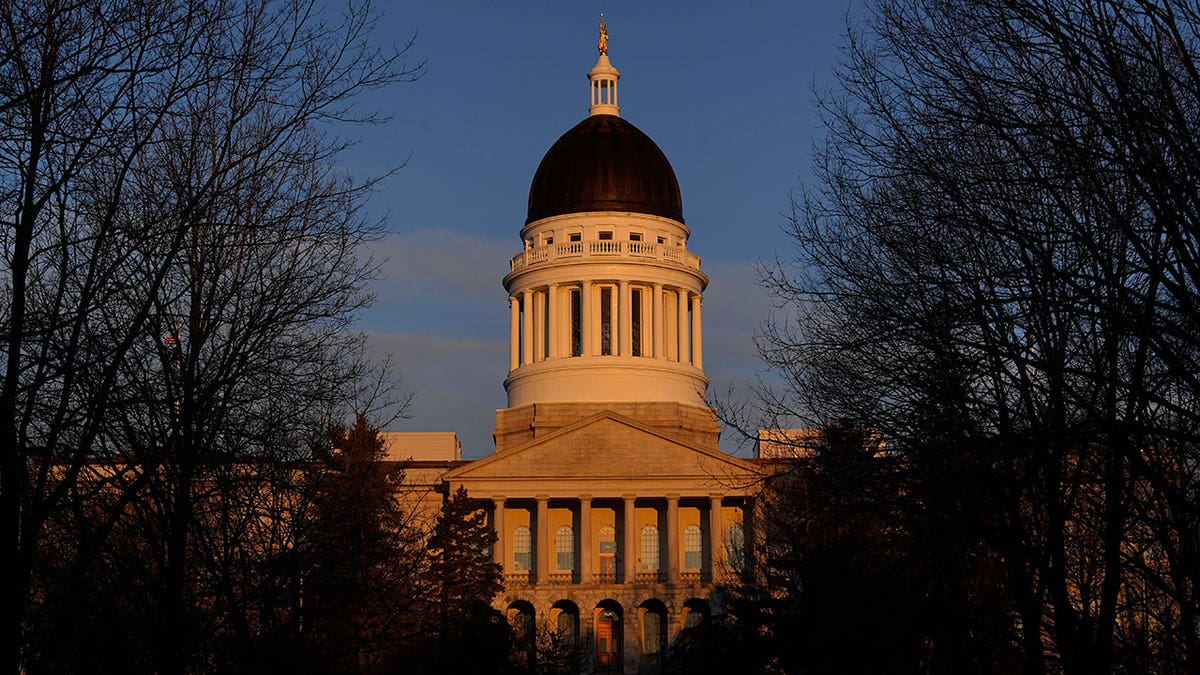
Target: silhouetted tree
(181, 269)
(997, 274)
(463, 633)
(361, 558)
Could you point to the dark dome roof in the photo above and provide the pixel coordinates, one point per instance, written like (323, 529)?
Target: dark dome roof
(604, 164)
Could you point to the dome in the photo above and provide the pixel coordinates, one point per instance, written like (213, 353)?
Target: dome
(604, 164)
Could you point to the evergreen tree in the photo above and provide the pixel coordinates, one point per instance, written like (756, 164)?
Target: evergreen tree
(465, 634)
(361, 556)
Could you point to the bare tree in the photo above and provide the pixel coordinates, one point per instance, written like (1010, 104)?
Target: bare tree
(181, 267)
(1010, 186)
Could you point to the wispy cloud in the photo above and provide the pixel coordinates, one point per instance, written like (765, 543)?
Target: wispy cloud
(457, 382)
(442, 316)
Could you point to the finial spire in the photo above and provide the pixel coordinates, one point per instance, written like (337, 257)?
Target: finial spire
(603, 79)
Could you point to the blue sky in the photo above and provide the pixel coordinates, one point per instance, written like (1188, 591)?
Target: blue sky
(725, 89)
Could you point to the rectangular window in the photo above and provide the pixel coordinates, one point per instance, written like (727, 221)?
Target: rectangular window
(635, 307)
(606, 321)
(635, 236)
(575, 236)
(549, 240)
(662, 240)
(576, 324)
(605, 236)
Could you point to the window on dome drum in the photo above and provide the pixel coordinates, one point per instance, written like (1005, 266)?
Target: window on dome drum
(692, 548)
(662, 240)
(650, 548)
(549, 240)
(576, 324)
(606, 321)
(608, 555)
(564, 548)
(522, 549)
(575, 236)
(605, 236)
(635, 325)
(635, 236)
(735, 547)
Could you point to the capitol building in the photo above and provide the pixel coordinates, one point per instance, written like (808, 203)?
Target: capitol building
(619, 521)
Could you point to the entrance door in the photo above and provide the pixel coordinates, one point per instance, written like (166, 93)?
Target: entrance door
(608, 641)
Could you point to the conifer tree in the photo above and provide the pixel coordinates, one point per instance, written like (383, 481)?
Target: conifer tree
(361, 556)
(465, 635)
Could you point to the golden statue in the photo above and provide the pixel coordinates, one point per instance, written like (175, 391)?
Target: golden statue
(602, 45)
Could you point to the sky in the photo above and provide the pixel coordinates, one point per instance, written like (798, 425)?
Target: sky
(725, 89)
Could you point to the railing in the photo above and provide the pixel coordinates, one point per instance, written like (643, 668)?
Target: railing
(693, 577)
(517, 579)
(649, 577)
(676, 255)
(561, 578)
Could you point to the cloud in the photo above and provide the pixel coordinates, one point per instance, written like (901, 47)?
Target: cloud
(440, 280)
(457, 382)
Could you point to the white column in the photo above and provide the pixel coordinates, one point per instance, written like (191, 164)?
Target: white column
(697, 346)
(658, 324)
(585, 317)
(682, 305)
(542, 541)
(625, 325)
(672, 539)
(629, 553)
(514, 333)
(527, 326)
(498, 526)
(553, 319)
(539, 325)
(585, 539)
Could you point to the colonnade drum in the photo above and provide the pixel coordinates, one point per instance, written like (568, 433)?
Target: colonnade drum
(613, 313)
(615, 317)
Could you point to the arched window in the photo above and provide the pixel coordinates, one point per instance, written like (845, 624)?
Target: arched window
(522, 549)
(735, 547)
(650, 548)
(567, 629)
(692, 547)
(564, 547)
(654, 635)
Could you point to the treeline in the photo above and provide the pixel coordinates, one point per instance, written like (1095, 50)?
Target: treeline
(992, 318)
(330, 565)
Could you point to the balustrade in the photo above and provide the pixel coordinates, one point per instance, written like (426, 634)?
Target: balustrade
(633, 249)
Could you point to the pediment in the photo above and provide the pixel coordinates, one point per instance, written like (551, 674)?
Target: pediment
(608, 447)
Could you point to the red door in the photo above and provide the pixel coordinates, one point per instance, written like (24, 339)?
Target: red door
(608, 639)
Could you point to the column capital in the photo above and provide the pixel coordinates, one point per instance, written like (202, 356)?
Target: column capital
(542, 498)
